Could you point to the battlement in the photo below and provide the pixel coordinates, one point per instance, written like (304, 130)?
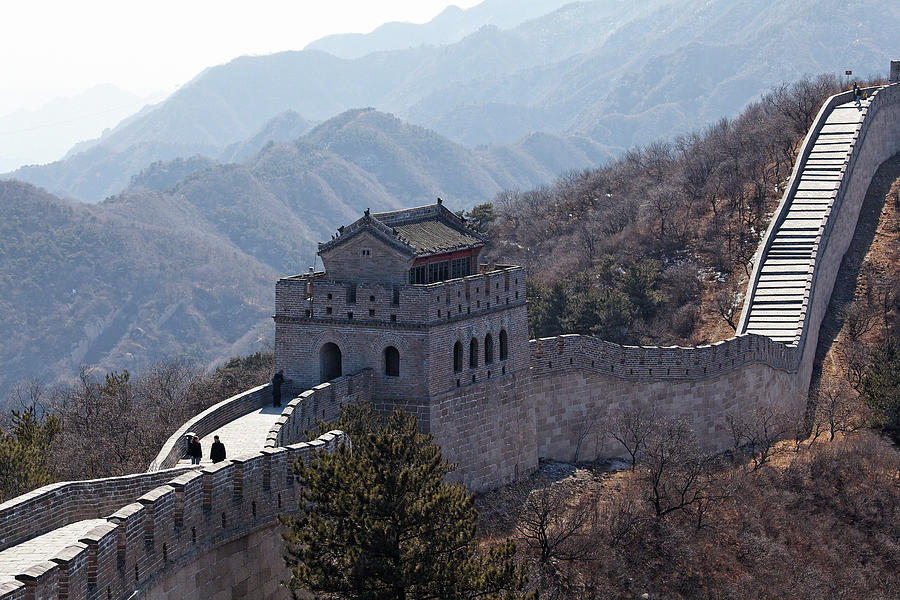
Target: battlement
(314, 298)
(323, 402)
(590, 354)
(166, 527)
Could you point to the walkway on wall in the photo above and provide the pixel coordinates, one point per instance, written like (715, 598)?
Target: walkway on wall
(776, 310)
(242, 437)
(19, 558)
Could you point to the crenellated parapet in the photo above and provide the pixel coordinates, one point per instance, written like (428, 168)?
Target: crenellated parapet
(590, 354)
(188, 516)
(312, 298)
(321, 403)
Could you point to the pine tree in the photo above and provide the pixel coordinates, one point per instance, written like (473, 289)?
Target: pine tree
(881, 386)
(24, 452)
(381, 523)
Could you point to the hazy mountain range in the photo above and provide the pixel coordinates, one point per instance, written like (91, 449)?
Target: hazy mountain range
(44, 134)
(618, 72)
(228, 183)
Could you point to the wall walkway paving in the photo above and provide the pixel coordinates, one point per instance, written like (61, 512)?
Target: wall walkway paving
(19, 559)
(777, 307)
(243, 436)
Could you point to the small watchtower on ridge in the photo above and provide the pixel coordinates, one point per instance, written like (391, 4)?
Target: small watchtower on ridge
(404, 295)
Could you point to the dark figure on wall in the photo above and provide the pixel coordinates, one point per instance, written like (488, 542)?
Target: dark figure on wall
(195, 450)
(277, 380)
(217, 452)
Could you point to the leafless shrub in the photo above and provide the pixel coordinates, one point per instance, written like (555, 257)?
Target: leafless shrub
(677, 476)
(632, 428)
(728, 302)
(553, 523)
(756, 432)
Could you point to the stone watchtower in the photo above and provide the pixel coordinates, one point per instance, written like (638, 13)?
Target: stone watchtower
(403, 294)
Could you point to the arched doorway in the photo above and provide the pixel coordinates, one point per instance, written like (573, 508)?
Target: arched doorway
(330, 362)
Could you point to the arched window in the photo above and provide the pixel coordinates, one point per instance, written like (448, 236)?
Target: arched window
(457, 357)
(473, 353)
(330, 362)
(391, 362)
(504, 345)
(488, 349)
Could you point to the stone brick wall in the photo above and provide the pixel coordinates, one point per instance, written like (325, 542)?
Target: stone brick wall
(198, 523)
(876, 140)
(60, 504)
(383, 262)
(488, 429)
(579, 383)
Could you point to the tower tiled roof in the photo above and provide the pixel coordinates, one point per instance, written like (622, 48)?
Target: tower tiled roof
(422, 230)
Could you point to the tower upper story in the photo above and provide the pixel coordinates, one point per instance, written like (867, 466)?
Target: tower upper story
(413, 246)
(415, 267)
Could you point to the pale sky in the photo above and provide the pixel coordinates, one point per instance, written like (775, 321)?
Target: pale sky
(55, 48)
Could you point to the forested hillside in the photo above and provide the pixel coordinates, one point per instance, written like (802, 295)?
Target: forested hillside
(81, 285)
(655, 247)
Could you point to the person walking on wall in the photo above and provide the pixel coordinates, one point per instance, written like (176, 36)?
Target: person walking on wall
(195, 450)
(217, 451)
(277, 380)
(857, 95)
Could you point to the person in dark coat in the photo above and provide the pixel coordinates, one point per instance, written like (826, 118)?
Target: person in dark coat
(277, 380)
(217, 451)
(195, 450)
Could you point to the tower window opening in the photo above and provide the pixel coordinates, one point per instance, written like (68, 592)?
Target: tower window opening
(488, 349)
(391, 362)
(473, 353)
(504, 345)
(457, 357)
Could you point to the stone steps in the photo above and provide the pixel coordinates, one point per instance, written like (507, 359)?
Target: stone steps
(776, 308)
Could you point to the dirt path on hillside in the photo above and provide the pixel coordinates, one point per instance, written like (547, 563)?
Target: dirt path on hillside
(846, 282)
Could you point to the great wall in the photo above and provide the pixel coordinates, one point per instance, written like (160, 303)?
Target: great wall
(211, 532)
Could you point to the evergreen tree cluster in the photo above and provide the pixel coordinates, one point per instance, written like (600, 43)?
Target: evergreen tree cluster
(380, 522)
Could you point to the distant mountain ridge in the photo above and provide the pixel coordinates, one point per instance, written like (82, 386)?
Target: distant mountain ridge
(451, 25)
(615, 72)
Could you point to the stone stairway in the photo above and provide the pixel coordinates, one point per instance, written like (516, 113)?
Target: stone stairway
(776, 310)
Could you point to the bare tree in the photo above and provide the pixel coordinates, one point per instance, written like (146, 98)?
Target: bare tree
(859, 318)
(757, 432)
(632, 428)
(590, 426)
(728, 301)
(553, 522)
(677, 476)
(836, 411)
